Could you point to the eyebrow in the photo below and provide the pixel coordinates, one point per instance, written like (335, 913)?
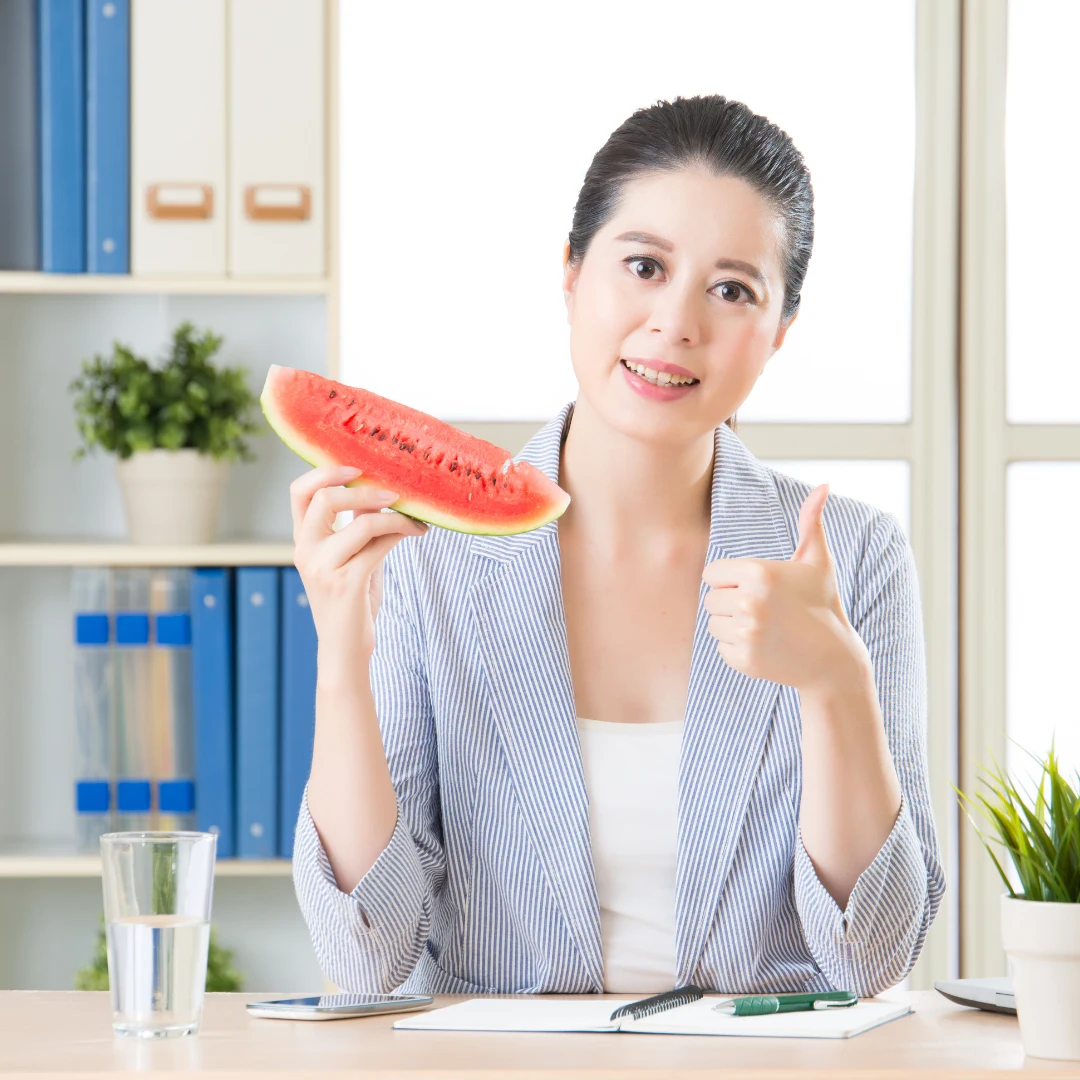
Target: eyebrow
(721, 264)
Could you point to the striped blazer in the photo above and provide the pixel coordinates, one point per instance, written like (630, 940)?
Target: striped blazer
(487, 886)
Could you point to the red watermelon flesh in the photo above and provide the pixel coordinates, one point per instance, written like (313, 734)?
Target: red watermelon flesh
(444, 475)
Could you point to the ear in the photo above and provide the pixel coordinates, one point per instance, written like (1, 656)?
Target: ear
(781, 331)
(570, 276)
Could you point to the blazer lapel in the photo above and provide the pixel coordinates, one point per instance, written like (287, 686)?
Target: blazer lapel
(520, 622)
(728, 715)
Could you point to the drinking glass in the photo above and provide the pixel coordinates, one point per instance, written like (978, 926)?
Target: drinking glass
(158, 888)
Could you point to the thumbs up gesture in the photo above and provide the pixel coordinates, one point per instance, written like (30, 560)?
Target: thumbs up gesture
(783, 621)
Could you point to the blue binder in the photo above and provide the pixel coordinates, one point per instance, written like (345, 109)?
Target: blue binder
(213, 699)
(299, 668)
(108, 94)
(257, 710)
(62, 109)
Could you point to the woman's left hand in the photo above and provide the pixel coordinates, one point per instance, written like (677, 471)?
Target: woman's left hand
(783, 620)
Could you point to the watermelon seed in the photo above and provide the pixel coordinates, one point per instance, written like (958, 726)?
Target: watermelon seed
(382, 436)
(427, 454)
(468, 471)
(453, 466)
(375, 430)
(333, 393)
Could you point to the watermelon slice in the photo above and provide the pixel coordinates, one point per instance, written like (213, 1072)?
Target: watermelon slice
(444, 475)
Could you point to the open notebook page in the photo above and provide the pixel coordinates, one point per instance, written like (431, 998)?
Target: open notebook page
(697, 1018)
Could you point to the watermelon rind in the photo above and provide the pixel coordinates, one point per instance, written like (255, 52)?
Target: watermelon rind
(410, 507)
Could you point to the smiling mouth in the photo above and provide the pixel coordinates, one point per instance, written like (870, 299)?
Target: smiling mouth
(659, 378)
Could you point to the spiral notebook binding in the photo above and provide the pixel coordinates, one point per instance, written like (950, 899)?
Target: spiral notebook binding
(670, 999)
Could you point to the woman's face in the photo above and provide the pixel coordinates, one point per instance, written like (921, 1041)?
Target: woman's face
(686, 276)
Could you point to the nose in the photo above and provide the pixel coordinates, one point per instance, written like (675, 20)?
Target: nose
(676, 315)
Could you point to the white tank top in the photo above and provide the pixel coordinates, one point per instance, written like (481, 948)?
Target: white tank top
(632, 777)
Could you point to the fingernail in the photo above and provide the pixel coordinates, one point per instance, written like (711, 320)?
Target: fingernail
(350, 471)
(387, 496)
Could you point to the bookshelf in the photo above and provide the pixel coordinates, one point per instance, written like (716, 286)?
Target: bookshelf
(39, 552)
(18, 283)
(89, 866)
(55, 515)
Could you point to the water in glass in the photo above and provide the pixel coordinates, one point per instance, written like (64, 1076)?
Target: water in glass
(157, 971)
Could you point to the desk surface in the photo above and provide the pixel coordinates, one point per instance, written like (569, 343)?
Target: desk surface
(65, 1034)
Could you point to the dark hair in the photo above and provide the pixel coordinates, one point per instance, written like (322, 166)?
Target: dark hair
(723, 136)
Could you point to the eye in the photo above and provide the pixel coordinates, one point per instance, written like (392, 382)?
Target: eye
(633, 260)
(727, 288)
(731, 291)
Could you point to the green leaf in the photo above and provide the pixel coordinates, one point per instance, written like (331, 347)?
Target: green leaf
(123, 404)
(1038, 828)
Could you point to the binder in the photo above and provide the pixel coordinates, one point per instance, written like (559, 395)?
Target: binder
(132, 703)
(93, 696)
(19, 212)
(299, 668)
(276, 137)
(257, 710)
(171, 697)
(62, 106)
(107, 161)
(178, 103)
(213, 701)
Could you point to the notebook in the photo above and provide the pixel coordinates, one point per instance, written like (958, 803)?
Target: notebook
(667, 1014)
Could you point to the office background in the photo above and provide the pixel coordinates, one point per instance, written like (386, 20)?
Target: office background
(929, 373)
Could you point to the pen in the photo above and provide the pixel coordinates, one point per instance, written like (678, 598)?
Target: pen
(763, 1004)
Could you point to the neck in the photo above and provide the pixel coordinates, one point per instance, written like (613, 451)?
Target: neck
(628, 494)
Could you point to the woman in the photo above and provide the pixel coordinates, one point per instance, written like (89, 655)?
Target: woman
(675, 736)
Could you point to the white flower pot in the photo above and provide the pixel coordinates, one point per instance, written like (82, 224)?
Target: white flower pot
(172, 496)
(1042, 942)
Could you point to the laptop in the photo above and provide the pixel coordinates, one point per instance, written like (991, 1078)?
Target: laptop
(993, 995)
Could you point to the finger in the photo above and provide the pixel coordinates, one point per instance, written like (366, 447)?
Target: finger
(304, 487)
(326, 503)
(340, 547)
(369, 562)
(724, 573)
(722, 627)
(723, 601)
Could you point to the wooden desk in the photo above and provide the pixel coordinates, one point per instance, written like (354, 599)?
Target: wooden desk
(66, 1034)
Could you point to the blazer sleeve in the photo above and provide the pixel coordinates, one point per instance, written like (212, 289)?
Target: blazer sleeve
(370, 939)
(874, 942)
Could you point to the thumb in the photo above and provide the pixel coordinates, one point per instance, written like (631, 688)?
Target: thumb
(813, 547)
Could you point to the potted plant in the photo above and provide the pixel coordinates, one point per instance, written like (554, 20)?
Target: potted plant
(173, 428)
(1040, 924)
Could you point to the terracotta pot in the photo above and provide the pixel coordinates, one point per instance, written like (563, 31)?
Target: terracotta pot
(1042, 942)
(172, 496)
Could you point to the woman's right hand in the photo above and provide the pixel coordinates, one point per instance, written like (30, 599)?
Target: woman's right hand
(342, 571)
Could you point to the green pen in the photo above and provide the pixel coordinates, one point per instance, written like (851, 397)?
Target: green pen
(764, 1004)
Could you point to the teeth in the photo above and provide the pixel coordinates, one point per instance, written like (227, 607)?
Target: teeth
(660, 378)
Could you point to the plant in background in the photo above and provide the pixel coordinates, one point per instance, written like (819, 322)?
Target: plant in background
(221, 976)
(1041, 833)
(123, 404)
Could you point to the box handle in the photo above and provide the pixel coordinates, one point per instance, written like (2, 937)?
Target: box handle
(180, 202)
(277, 202)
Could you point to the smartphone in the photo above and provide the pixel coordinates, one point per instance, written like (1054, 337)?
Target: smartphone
(336, 1006)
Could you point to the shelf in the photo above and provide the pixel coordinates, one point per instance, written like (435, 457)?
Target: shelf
(72, 284)
(89, 866)
(29, 552)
